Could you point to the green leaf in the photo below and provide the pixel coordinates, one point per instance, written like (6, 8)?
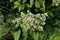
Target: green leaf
(24, 1)
(55, 37)
(17, 35)
(21, 7)
(42, 5)
(31, 2)
(50, 14)
(37, 4)
(16, 4)
(35, 35)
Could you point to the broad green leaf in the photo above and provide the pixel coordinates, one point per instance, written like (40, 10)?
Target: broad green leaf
(31, 2)
(21, 7)
(24, 1)
(57, 23)
(42, 4)
(55, 37)
(28, 5)
(50, 14)
(16, 35)
(16, 4)
(35, 35)
(37, 4)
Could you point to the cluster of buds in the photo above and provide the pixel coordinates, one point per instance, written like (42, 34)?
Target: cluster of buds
(29, 20)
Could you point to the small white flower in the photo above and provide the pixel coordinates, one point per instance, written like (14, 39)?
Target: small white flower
(57, 4)
(28, 11)
(40, 28)
(45, 14)
(43, 23)
(42, 14)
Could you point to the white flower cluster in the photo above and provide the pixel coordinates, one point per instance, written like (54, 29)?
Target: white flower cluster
(29, 20)
(56, 2)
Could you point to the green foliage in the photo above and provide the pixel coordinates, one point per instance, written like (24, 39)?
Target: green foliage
(3, 27)
(16, 35)
(30, 19)
(55, 37)
(21, 5)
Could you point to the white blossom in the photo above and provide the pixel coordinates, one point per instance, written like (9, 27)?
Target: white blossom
(29, 20)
